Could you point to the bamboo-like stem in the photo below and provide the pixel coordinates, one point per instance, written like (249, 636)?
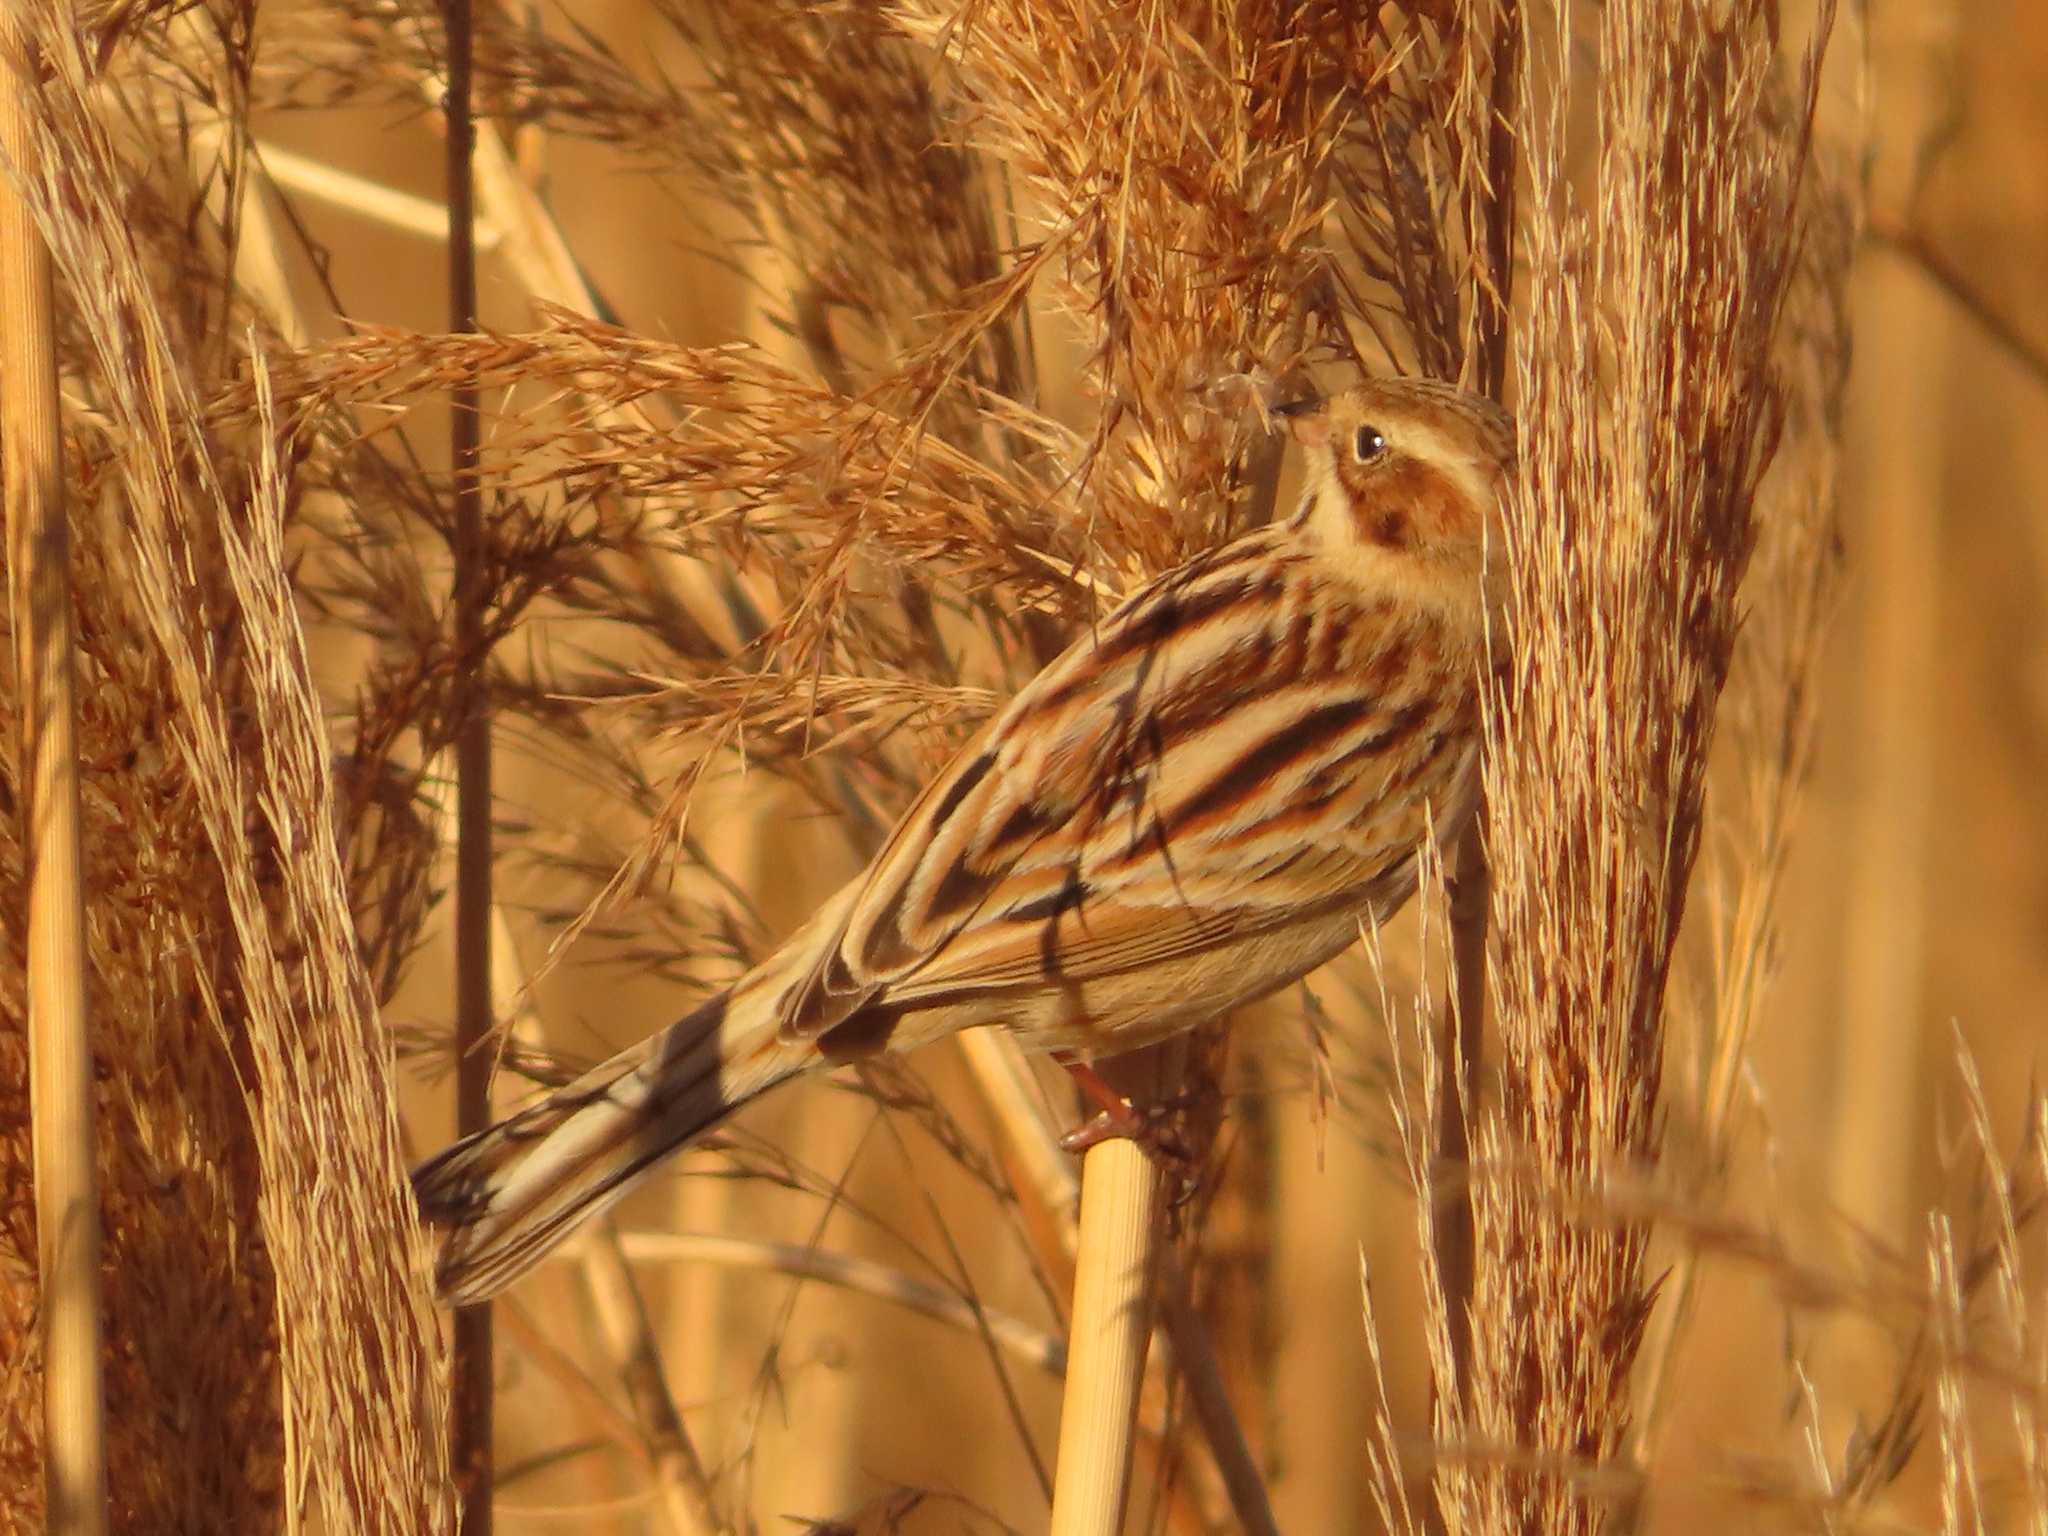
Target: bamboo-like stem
(473, 901)
(1119, 1250)
(1000, 1071)
(60, 1053)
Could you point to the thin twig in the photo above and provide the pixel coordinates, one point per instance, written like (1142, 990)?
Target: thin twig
(1960, 290)
(1196, 1359)
(1463, 1026)
(622, 1319)
(473, 906)
(681, 1485)
(60, 1051)
(537, 1344)
(865, 1277)
(1003, 1075)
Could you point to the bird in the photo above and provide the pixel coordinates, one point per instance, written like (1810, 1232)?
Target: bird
(1198, 802)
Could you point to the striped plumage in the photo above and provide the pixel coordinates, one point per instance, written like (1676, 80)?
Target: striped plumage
(1195, 804)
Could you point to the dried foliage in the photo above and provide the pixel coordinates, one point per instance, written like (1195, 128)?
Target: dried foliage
(239, 1036)
(1638, 519)
(1022, 271)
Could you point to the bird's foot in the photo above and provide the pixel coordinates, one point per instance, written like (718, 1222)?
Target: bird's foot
(1153, 1127)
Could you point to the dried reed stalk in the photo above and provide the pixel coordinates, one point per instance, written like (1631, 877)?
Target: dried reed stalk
(1112, 1322)
(189, 1314)
(1046, 1182)
(618, 1307)
(60, 1046)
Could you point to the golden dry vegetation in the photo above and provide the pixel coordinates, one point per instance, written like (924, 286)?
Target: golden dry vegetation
(837, 363)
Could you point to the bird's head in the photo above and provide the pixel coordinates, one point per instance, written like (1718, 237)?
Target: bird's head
(1405, 480)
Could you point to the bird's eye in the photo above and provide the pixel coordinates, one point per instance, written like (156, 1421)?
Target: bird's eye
(1368, 444)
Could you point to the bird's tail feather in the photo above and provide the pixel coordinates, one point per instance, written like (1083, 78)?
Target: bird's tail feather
(507, 1195)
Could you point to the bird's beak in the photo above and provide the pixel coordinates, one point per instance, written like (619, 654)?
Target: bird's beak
(1307, 420)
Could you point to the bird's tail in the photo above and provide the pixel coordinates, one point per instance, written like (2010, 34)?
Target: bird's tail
(504, 1197)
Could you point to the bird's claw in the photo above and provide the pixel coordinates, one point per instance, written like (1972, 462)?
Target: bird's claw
(1154, 1130)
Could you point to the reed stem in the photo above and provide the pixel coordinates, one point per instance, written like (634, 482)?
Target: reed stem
(1119, 1253)
(60, 1052)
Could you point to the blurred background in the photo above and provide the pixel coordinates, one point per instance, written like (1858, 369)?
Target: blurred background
(1914, 930)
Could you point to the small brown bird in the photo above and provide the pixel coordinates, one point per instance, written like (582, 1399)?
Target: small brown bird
(1195, 804)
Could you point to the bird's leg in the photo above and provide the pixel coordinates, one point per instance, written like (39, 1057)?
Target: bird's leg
(1151, 1128)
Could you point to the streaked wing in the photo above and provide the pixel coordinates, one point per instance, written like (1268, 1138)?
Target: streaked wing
(1239, 746)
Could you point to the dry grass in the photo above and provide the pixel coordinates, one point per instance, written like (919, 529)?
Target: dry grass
(60, 1065)
(998, 286)
(1663, 286)
(217, 833)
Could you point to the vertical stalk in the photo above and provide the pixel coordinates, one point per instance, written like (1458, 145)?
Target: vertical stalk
(1471, 884)
(1881, 1068)
(60, 1054)
(473, 1017)
(1196, 1360)
(1119, 1251)
(1463, 1030)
